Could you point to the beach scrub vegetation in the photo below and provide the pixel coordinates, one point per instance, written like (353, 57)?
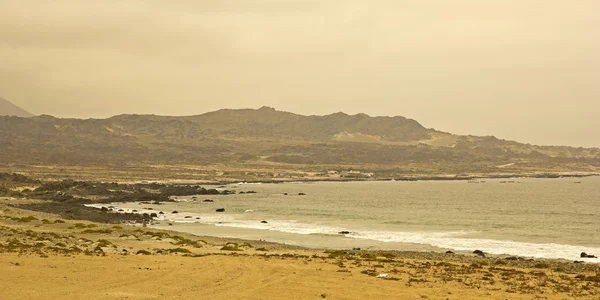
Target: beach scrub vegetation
(388, 255)
(246, 245)
(541, 265)
(157, 235)
(232, 247)
(179, 250)
(500, 262)
(336, 253)
(97, 231)
(102, 243)
(26, 219)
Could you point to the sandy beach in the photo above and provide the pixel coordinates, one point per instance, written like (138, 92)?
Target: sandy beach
(48, 258)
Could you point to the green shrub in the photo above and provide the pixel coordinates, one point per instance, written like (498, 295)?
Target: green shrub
(180, 250)
(262, 249)
(105, 243)
(97, 231)
(595, 278)
(542, 265)
(80, 225)
(479, 264)
(158, 235)
(246, 245)
(500, 262)
(336, 253)
(231, 248)
(368, 256)
(118, 227)
(27, 219)
(92, 226)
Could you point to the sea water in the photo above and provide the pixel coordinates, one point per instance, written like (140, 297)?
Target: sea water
(543, 218)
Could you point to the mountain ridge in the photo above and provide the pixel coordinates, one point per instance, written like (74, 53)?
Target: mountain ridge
(267, 136)
(7, 108)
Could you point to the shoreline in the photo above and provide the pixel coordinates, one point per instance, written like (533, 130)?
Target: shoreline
(78, 259)
(408, 179)
(188, 175)
(318, 240)
(6, 207)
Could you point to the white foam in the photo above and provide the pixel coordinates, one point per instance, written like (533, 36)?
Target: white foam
(447, 240)
(454, 241)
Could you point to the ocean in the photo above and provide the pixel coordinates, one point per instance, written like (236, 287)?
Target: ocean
(539, 218)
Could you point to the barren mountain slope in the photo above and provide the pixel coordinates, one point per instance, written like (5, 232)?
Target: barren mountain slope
(9, 109)
(269, 136)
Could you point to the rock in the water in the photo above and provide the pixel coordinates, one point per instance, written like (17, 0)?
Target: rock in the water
(220, 210)
(449, 252)
(512, 258)
(585, 255)
(344, 232)
(209, 201)
(479, 252)
(264, 222)
(301, 194)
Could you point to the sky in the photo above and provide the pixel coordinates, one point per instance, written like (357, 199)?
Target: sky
(524, 70)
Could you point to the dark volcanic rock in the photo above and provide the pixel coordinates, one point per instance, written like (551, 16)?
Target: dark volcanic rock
(585, 255)
(479, 253)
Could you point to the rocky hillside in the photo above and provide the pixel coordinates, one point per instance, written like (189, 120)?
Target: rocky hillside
(9, 109)
(267, 136)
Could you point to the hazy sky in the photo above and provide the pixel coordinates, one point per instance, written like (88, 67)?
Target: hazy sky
(525, 70)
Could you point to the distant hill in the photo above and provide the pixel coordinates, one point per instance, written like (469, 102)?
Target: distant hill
(9, 109)
(269, 137)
